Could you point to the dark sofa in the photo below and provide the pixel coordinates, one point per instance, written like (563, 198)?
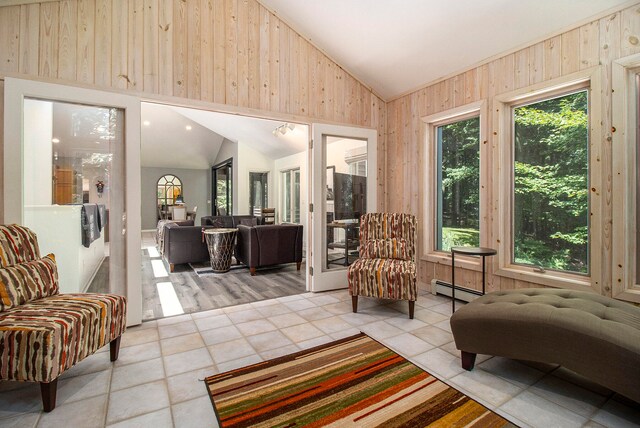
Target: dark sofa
(183, 244)
(268, 245)
(228, 220)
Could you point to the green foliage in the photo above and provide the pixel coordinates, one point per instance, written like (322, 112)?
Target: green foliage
(551, 183)
(454, 237)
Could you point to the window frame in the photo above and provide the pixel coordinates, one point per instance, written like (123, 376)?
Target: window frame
(626, 92)
(503, 107)
(166, 185)
(430, 182)
(283, 188)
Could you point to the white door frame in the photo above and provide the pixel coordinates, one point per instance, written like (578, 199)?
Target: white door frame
(16, 90)
(322, 279)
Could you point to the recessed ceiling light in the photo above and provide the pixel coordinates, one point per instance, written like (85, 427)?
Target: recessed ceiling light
(188, 127)
(146, 123)
(55, 140)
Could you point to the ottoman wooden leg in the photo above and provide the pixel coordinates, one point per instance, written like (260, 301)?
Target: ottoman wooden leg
(48, 390)
(468, 360)
(354, 303)
(114, 348)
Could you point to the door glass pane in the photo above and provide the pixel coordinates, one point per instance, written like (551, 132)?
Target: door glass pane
(222, 189)
(346, 199)
(74, 191)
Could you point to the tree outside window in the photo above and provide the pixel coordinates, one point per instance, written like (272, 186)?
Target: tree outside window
(551, 197)
(458, 184)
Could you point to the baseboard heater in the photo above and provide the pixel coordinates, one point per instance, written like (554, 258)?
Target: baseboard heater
(444, 288)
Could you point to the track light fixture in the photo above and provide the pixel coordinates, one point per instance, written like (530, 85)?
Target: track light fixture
(283, 129)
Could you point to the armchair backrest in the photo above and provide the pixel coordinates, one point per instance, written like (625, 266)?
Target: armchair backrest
(389, 226)
(18, 244)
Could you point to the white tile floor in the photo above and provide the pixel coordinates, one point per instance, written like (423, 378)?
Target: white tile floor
(157, 379)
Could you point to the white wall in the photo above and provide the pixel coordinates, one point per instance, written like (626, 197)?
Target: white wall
(194, 189)
(39, 152)
(250, 160)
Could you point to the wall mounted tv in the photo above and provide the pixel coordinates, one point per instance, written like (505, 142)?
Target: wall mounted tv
(350, 196)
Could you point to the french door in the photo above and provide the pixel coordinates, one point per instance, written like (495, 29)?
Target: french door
(344, 170)
(74, 178)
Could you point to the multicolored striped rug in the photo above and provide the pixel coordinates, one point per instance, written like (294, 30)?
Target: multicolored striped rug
(351, 382)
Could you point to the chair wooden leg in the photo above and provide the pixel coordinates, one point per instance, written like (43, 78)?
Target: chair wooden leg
(253, 271)
(412, 305)
(48, 390)
(354, 303)
(298, 264)
(114, 348)
(468, 360)
(171, 267)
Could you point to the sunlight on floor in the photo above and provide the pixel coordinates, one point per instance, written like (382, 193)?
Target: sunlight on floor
(153, 252)
(159, 270)
(169, 299)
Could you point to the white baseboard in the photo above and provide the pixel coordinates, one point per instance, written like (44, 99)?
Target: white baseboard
(444, 288)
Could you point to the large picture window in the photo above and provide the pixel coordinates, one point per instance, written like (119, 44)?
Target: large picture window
(458, 184)
(551, 183)
(290, 195)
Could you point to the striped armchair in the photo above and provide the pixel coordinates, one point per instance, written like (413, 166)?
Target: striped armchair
(386, 268)
(43, 333)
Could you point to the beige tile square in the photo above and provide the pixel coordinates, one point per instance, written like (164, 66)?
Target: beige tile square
(489, 389)
(298, 305)
(570, 396)
(195, 413)
(187, 361)
(302, 332)
(138, 400)
(511, 371)
(406, 324)
(220, 335)
(81, 387)
(439, 363)
(616, 414)
(381, 330)
(407, 344)
(212, 322)
(137, 374)
(189, 385)
(133, 337)
(321, 299)
(428, 316)
(158, 419)
(137, 353)
(93, 363)
(250, 314)
(287, 320)
(316, 341)
(177, 329)
(267, 341)
(25, 420)
(174, 345)
(87, 413)
(345, 333)
(339, 308)
(174, 320)
(279, 352)
(276, 308)
(434, 335)
(207, 314)
(231, 350)
(313, 314)
(538, 412)
(334, 324)
(359, 319)
(255, 327)
(25, 397)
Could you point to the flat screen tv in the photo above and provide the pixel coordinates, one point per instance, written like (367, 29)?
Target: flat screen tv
(350, 196)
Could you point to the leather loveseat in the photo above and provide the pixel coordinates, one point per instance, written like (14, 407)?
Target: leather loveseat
(267, 245)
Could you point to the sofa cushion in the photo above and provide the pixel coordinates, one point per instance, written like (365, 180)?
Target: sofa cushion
(249, 221)
(393, 248)
(18, 244)
(48, 336)
(383, 278)
(24, 282)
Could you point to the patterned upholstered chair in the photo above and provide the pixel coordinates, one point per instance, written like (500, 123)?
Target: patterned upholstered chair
(43, 333)
(386, 268)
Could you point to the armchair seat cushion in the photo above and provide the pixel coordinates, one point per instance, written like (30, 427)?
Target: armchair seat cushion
(41, 339)
(383, 278)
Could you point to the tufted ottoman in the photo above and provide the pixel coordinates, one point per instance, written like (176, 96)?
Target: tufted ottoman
(592, 335)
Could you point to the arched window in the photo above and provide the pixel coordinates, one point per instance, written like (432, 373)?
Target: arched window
(169, 188)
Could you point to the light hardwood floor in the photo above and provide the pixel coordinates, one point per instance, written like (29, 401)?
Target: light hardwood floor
(200, 293)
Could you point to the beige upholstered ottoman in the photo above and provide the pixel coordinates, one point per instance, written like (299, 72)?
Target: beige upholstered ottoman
(592, 335)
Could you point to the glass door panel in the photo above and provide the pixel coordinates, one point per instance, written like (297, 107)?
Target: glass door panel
(344, 188)
(74, 191)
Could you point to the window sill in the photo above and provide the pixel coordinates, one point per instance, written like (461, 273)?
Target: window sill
(549, 278)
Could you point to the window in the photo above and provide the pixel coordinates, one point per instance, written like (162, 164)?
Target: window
(458, 184)
(455, 189)
(169, 189)
(222, 188)
(258, 190)
(550, 183)
(290, 195)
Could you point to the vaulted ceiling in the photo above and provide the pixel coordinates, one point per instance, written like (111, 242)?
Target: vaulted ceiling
(395, 46)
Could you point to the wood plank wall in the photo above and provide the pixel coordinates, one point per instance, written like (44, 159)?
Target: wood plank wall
(598, 42)
(232, 52)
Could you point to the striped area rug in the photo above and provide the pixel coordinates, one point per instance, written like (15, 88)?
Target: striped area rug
(353, 382)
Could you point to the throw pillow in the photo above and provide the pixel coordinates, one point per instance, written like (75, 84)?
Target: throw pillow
(24, 282)
(394, 248)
